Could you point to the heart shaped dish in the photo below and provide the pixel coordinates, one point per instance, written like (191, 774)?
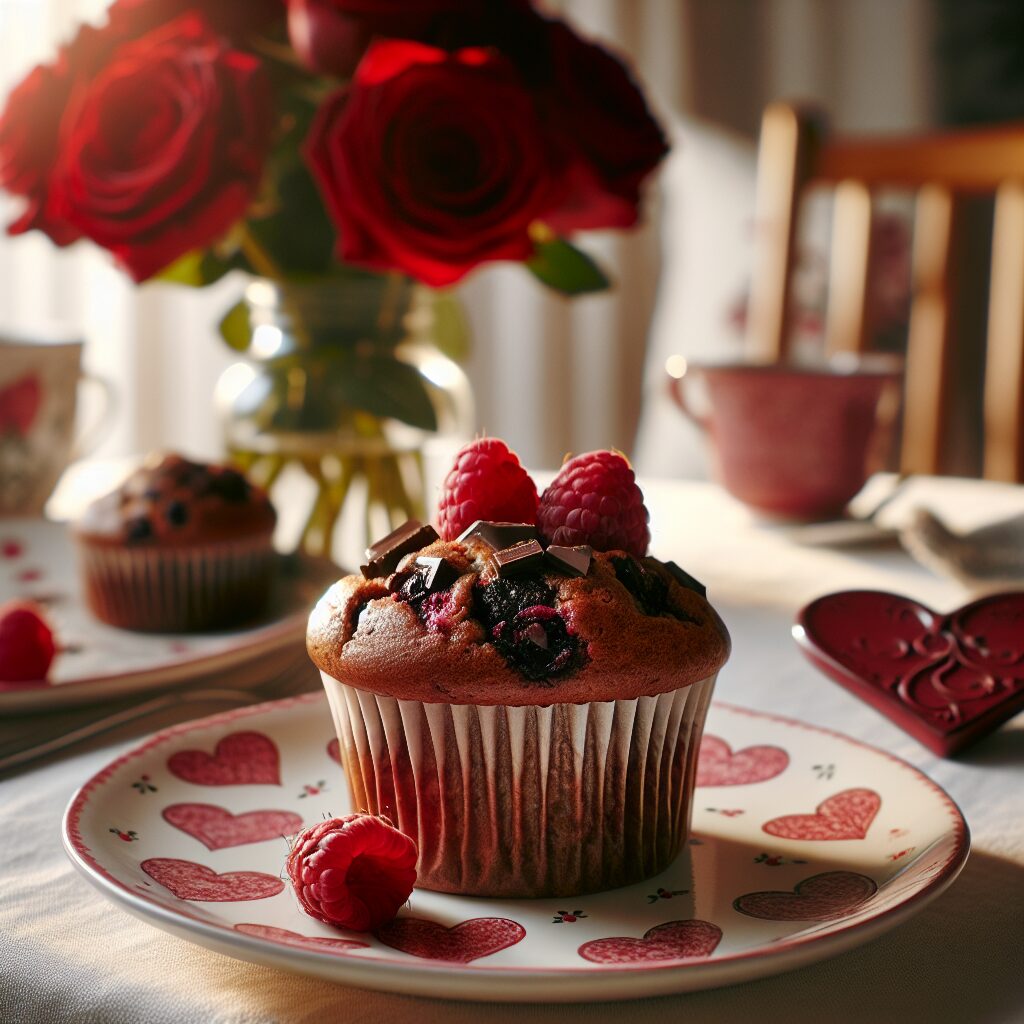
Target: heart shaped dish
(947, 680)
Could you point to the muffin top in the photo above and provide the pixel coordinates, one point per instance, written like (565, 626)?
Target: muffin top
(170, 501)
(494, 618)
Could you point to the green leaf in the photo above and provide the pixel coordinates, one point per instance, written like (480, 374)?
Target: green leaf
(195, 269)
(235, 328)
(565, 268)
(450, 330)
(382, 386)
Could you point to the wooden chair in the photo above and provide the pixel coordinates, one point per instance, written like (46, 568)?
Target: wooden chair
(795, 153)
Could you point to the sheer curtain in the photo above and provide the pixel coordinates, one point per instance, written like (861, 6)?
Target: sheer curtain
(551, 375)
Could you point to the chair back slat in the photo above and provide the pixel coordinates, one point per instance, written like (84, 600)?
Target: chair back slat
(926, 393)
(1004, 370)
(848, 268)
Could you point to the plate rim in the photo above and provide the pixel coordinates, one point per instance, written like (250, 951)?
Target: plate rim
(671, 975)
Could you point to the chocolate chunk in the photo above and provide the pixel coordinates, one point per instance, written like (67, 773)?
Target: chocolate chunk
(438, 574)
(499, 535)
(382, 558)
(176, 513)
(573, 561)
(525, 557)
(682, 577)
(138, 529)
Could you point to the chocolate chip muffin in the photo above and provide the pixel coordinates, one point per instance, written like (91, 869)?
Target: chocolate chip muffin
(529, 714)
(180, 546)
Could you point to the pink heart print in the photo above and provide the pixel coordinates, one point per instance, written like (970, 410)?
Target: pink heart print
(719, 766)
(470, 940)
(217, 828)
(289, 938)
(241, 759)
(674, 940)
(191, 881)
(821, 897)
(847, 815)
(334, 750)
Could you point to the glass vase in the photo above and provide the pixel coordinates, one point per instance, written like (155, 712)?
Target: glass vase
(343, 380)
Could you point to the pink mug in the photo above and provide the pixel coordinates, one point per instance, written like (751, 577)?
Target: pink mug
(792, 440)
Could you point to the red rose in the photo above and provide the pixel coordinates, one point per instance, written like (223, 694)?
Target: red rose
(232, 17)
(330, 36)
(595, 107)
(29, 130)
(162, 151)
(431, 162)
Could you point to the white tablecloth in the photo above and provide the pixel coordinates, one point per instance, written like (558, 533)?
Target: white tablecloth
(66, 954)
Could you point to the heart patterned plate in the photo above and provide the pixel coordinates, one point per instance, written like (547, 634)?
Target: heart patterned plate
(804, 844)
(947, 680)
(98, 662)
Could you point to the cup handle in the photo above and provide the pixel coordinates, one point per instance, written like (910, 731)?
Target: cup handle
(90, 436)
(678, 387)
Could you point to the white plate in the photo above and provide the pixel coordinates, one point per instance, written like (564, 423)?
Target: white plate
(97, 661)
(804, 844)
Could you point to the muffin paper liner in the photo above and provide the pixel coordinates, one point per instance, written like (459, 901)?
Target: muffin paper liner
(527, 801)
(174, 590)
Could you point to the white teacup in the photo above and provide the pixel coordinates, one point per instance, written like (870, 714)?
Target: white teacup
(39, 382)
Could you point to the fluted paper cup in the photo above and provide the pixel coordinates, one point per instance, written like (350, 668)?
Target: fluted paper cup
(177, 590)
(527, 801)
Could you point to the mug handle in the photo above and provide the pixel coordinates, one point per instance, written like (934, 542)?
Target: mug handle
(92, 435)
(678, 387)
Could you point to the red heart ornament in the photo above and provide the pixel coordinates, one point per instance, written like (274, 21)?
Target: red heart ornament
(818, 898)
(334, 750)
(217, 828)
(674, 940)
(847, 815)
(719, 766)
(191, 881)
(947, 680)
(470, 940)
(319, 942)
(243, 758)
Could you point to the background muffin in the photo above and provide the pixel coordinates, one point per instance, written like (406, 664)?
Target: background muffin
(179, 547)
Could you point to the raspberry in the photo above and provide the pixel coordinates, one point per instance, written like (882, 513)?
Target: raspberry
(486, 482)
(595, 500)
(353, 872)
(26, 643)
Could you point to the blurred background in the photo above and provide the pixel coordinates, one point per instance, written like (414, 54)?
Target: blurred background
(552, 375)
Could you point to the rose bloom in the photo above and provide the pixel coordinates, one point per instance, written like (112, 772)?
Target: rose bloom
(162, 151)
(331, 35)
(597, 109)
(235, 18)
(431, 162)
(29, 130)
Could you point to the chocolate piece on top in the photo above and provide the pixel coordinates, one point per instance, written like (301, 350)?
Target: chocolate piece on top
(525, 557)
(499, 535)
(683, 578)
(382, 558)
(438, 574)
(574, 561)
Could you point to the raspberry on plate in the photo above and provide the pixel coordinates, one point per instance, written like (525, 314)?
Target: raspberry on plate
(26, 643)
(353, 872)
(486, 482)
(595, 500)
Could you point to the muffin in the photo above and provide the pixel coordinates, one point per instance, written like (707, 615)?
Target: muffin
(530, 714)
(179, 547)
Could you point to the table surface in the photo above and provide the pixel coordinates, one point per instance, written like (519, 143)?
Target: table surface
(66, 954)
